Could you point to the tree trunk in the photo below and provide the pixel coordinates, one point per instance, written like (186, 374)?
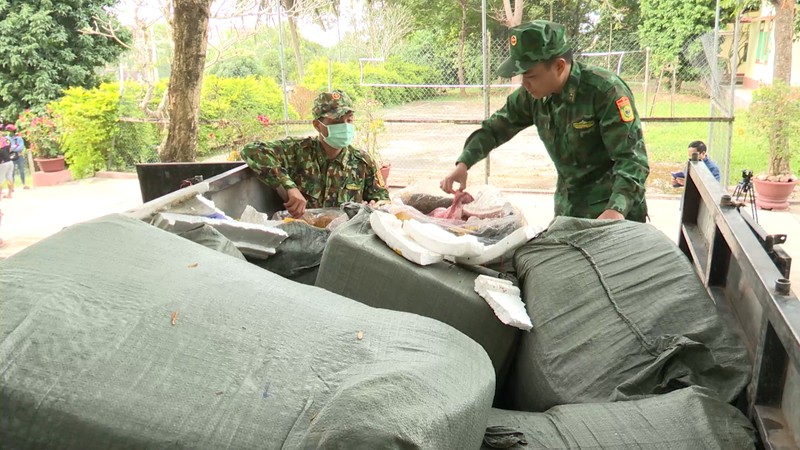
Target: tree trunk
(461, 42)
(190, 35)
(289, 6)
(298, 57)
(514, 18)
(784, 21)
(782, 73)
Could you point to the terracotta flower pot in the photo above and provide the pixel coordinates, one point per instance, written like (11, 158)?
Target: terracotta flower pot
(51, 164)
(773, 194)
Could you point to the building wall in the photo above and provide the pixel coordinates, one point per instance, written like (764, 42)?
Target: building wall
(761, 72)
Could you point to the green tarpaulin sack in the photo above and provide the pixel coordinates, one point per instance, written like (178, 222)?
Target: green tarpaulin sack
(114, 334)
(690, 418)
(359, 265)
(298, 257)
(617, 312)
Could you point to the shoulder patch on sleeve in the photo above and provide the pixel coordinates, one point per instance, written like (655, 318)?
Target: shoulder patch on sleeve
(625, 109)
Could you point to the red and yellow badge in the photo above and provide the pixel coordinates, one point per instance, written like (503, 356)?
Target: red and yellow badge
(336, 96)
(625, 109)
(513, 40)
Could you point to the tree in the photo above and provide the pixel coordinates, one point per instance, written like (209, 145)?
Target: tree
(784, 26)
(671, 29)
(385, 26)
(238, 67)
(43, 51)
(667, 25)
(782, 77)
(190, 35)
(291, 9)
(512, 17)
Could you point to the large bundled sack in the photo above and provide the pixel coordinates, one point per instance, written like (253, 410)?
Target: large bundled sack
(617, 312)
(359, 265)
(690, 418)
(115, 334)
(298, 257)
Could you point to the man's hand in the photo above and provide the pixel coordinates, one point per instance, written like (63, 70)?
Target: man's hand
(458, 175)
(296, 204)
(611, 214)
(376, 203)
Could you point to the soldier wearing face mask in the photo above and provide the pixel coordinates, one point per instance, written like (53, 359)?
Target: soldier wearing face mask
(323, 170)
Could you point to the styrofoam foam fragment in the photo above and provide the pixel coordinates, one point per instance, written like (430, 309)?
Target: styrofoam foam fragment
(390, 229)
(504, 248)
(504, 299)
(197, 206)
(252, 215)
(438, 240)
(257, 241)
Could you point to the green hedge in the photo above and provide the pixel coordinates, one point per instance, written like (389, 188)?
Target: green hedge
(94, 138)
(346, 76)
(237, 102)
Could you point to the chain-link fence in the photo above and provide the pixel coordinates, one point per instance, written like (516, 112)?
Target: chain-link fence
(426, 117)
(418, 103)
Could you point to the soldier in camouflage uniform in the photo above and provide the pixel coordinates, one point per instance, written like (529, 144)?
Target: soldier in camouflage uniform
(320, 171)
(584, 115)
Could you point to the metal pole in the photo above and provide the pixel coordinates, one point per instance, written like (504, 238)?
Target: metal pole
(484, 47)
(672, 91)
(646, 77)
(726, 167)
(283, 69)
(714, 75)
(488, 109)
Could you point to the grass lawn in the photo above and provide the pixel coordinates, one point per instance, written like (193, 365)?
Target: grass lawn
(667, 142)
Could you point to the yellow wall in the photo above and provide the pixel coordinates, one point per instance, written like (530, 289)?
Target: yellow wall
(756, 73)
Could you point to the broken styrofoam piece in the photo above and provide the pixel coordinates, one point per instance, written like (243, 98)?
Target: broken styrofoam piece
(438, 240)
(252, 215)
(257, 241)
(504, 247)
(504, 299)
(390, 229)
(149, 209)
(197, 206)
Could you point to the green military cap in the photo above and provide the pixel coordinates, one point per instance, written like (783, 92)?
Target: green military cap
(531, 43)
(332, 105)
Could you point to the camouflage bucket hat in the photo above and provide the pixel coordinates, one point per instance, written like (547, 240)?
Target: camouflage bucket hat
(332, 105)
(531, 43)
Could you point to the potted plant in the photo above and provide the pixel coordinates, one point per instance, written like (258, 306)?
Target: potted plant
(775, 112)
(43, 138)
(369, 126)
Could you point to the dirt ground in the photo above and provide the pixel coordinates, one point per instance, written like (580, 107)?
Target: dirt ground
(420, 151)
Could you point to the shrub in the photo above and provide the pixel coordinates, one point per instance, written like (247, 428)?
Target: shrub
(230, 110)
(88, 123)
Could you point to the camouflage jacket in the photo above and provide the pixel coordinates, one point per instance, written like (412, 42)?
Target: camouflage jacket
(593, 135)
(302, 163)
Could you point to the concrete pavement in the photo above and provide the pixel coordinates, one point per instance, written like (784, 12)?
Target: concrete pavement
(37, 213)
(34, 214)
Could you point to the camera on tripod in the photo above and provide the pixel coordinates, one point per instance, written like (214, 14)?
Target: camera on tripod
(744, 192)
